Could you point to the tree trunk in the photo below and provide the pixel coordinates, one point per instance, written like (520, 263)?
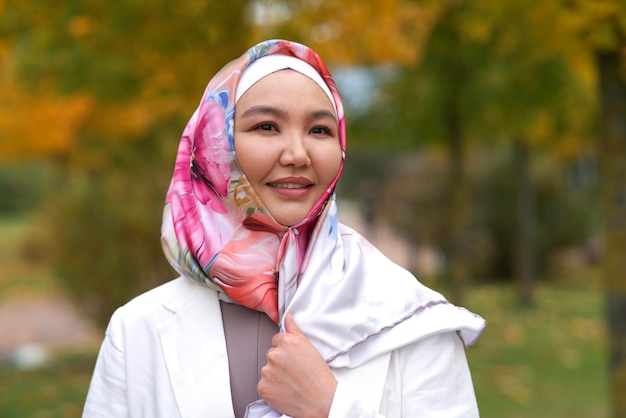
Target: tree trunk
(524, 238)
(457, 263)
(612, 161)
(453, 75)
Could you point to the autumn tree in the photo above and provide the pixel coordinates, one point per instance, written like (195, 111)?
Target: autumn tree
(533, 101)
(109, 73)
(103, 91)
(483, 77)
(351, 32)
(602, 26)
(595, 33)
(612, 147)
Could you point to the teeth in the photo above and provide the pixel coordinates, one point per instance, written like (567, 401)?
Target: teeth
(288, 186)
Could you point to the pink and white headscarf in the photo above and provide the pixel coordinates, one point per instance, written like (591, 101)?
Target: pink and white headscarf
(351, 301)
(215, 228)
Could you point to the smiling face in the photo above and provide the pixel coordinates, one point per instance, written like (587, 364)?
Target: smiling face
(287, 143)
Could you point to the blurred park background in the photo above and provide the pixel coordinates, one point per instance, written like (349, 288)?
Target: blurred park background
(486, 153)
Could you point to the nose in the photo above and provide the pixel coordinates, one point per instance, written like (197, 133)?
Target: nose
(295, 151)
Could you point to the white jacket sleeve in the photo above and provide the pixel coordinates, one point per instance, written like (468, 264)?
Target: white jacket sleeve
(426, 379)
(349, 404)
(107, 391)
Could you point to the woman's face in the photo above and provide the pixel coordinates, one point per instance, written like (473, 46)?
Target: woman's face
(287, 143)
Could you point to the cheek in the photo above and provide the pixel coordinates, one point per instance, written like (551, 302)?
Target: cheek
(245, 153)
(247, 166)
(330, 162)
(254, 164)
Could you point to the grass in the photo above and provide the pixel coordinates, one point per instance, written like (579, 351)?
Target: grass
(55, 390)
(547, 360)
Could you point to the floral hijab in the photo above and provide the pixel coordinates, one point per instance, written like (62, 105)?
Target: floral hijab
(215, 228)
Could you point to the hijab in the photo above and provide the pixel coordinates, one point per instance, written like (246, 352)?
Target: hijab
(216, 230)
(351, 301)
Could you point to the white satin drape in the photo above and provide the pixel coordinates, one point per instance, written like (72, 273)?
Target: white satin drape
(355, 304)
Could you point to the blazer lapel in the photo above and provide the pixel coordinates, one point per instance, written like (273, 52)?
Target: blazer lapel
(194, 348)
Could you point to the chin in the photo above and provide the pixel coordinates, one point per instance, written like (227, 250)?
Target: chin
(287, 223)
(289, 220)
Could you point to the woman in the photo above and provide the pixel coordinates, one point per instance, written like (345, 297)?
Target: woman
(279, 308)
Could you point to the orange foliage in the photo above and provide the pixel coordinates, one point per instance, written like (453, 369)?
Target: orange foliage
(56, 61)
(34, 125)
(356, 32)
(120, 120)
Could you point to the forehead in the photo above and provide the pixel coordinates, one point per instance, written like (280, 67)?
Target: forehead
(285, 85)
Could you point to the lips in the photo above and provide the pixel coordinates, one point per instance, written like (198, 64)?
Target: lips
(289, 185)
(291, 182)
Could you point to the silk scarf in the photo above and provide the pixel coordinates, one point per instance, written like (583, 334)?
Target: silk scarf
(351, 301)
(215, 228)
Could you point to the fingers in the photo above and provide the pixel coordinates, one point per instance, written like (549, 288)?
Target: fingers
(290, 325)
(290, 328)
(296, 379)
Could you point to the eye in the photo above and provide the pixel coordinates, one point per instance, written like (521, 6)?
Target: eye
(321, 130)
(266, 126)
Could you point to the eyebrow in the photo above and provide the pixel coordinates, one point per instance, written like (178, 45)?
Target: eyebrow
(269, 110)
(322, 114)
(264, 110)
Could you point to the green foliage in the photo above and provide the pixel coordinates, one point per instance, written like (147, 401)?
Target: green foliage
(563, 205)
(364, 170)
(414, 201)
(102, 229)
(22, 187)
(116, 51)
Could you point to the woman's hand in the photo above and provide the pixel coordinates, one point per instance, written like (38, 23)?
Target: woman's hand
(296, 380)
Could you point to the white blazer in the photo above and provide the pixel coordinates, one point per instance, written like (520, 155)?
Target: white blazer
(164, 355)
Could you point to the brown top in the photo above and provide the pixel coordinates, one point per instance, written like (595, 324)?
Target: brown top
(248, 337)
